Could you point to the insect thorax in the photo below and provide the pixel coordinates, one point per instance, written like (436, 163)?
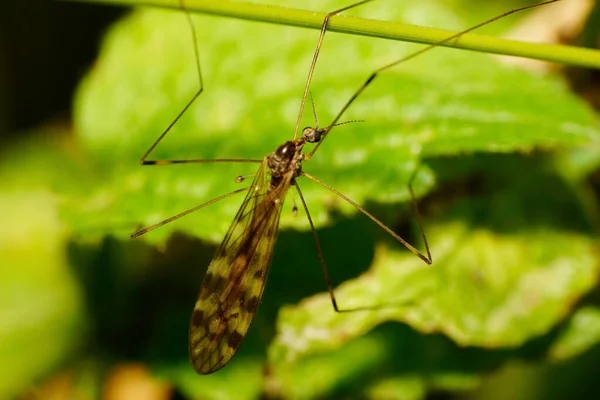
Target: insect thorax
(287, 159)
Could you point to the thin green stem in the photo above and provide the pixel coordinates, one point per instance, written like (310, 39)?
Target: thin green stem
(576, 56)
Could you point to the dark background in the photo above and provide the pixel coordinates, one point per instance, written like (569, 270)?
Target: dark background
(45, 48)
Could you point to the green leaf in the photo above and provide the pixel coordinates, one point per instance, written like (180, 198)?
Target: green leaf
(241, 381)
(299, 381)
(511, 237)
(580, 334)
(42, 314)
(447, 102)
(508, 264)
(393, 361)
(401, 388)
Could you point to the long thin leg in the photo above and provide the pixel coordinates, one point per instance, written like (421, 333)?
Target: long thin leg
(406, 58)
(316, 56)
(144, 160)
(324, 267)
(417, 213)
(319, 250)
(426, 258)
(183, 214)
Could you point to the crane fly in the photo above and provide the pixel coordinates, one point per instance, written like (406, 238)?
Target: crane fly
(235, 279)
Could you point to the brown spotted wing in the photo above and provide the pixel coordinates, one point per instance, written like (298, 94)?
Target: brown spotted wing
(235, 279)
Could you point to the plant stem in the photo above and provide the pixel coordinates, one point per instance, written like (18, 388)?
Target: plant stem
(576, 56)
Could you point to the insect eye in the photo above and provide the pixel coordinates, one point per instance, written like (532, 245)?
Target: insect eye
(311, 135)
(316, 136)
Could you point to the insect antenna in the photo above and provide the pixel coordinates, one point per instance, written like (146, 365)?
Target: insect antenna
(352, 121)
(314, 109)
(315, 134)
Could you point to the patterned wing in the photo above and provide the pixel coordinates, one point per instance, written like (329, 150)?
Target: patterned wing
(235, 279)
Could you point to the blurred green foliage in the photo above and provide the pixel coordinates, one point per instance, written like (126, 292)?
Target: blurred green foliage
(503, 159)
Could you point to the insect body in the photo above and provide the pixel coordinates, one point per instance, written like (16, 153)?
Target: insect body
(235, 279)
(226, 304)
